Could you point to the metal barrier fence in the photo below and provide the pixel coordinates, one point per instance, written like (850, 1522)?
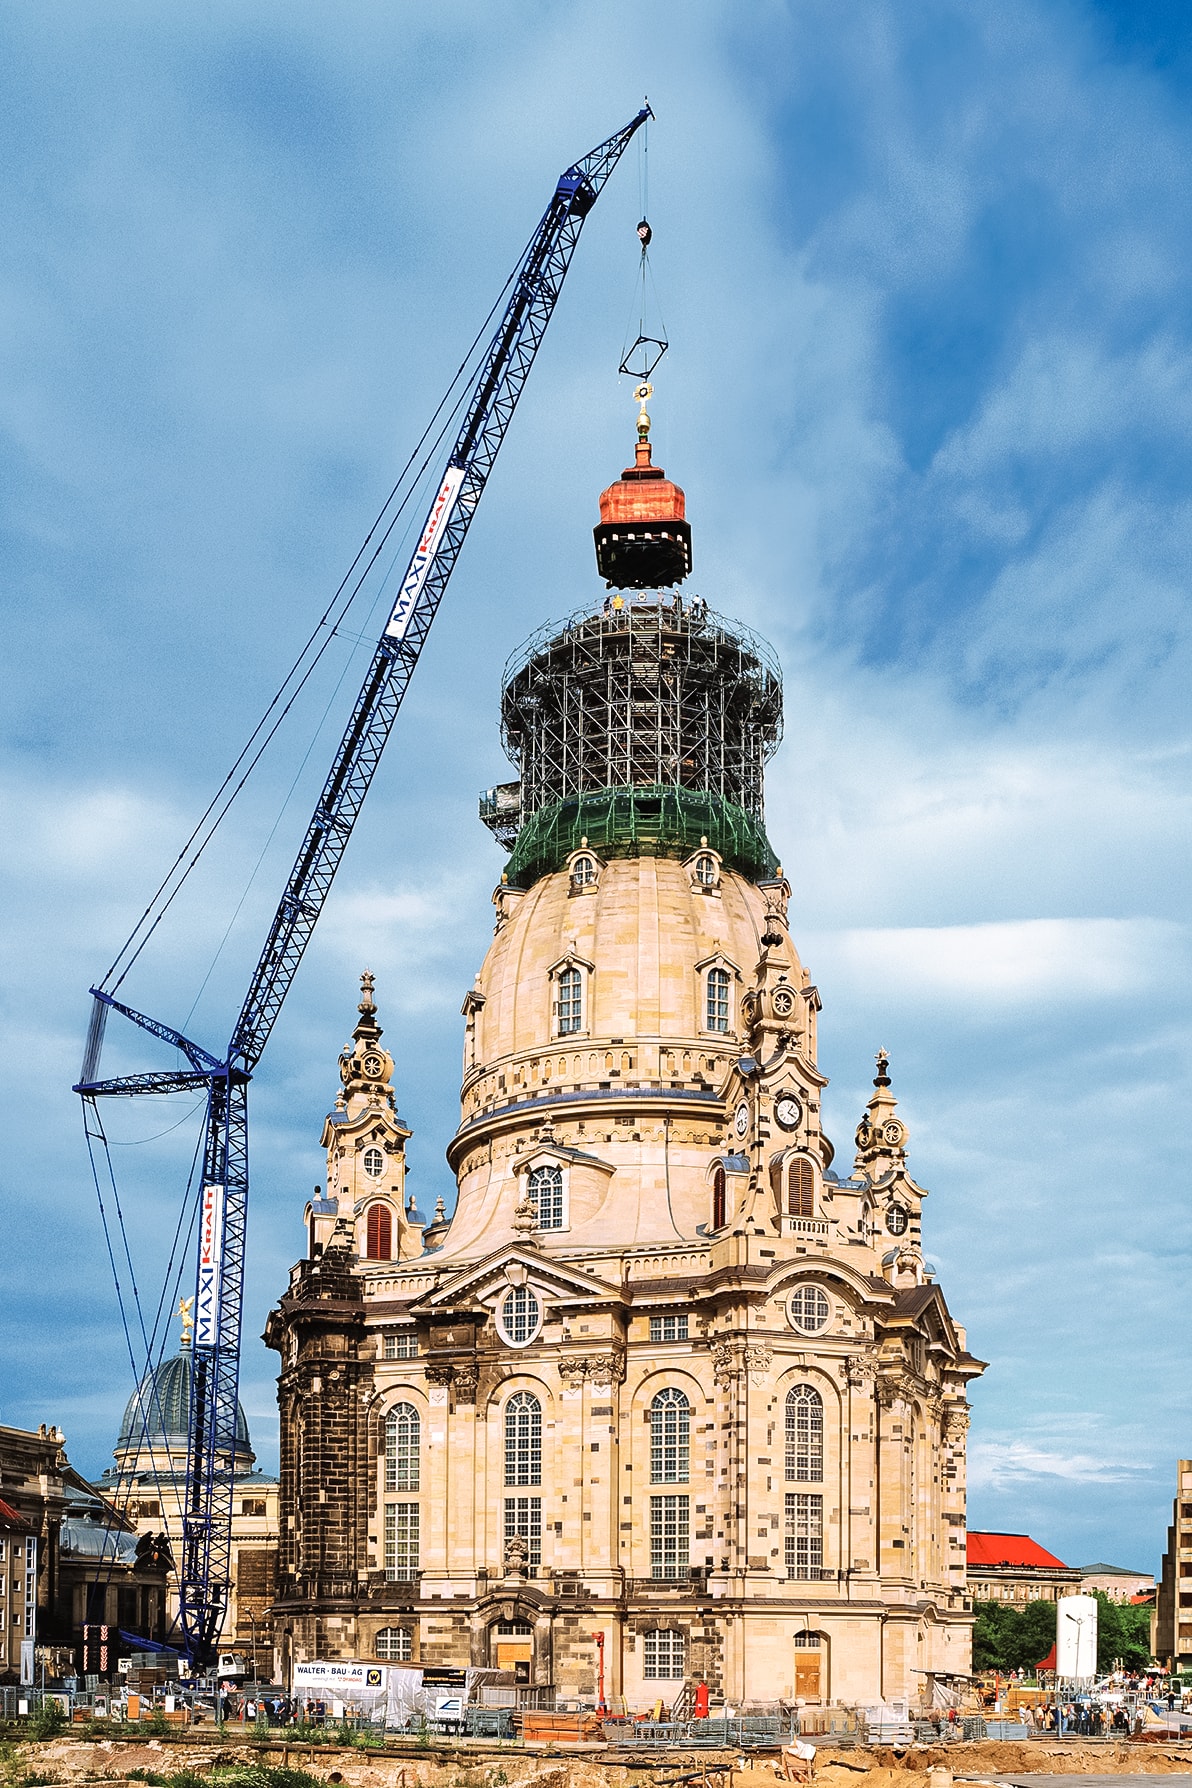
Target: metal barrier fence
(748, 1732)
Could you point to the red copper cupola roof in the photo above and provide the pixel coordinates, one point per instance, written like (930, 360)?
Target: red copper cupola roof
(643, 541)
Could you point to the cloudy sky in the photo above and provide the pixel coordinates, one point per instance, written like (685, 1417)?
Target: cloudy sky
(926, 270)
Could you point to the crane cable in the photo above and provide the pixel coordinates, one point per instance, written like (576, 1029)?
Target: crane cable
(182, 1229)
(152, 916)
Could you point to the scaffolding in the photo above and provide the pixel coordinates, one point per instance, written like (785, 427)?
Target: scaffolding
(643, 725)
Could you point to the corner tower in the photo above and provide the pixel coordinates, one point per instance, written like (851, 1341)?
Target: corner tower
(665, 1377)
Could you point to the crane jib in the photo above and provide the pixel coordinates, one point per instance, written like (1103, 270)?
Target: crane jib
(424, 553)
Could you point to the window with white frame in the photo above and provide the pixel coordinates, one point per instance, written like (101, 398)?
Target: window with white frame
(523, 1439)
(670, 1438)
(402, 1345)
(804, 1435)
(394, 1644)
(809, 1309)
(569, 1002)
(373, 1162)
(401, 1541)
(523, 1520)
(669, 1531)
(583, 872)
(403, 1440)
(804, 1534)
(668, 1328)
(705, 870)
(664, 1655)
(520, 1316)
(544, 1189)
(716, 1006)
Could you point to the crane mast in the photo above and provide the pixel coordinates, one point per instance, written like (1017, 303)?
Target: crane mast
(205, 1564)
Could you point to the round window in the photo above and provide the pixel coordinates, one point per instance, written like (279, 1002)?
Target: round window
(374, 1163)
(809, 1309)
(520, 1316)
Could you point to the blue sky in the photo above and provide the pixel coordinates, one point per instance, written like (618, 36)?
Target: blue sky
(926, 272)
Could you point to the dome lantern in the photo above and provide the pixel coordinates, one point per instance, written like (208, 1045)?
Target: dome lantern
(643, 541)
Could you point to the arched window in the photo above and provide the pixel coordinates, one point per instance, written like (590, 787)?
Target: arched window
(374, 1163)
(379, 1232)
(716, 1014)
(395, 1644)
(523, 1439)
(570, 1002)
(670, 1438)
(583, 872)
(719, 1199)
(403, 1439)
(520, 1316)
(800, 1188)
(545, 1191)
(705, 870)
(804, 1435)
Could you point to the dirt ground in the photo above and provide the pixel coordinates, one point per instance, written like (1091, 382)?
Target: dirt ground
(75, 1761)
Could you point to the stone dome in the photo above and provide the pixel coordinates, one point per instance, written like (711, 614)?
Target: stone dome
(603, 1029)
(157, 1414)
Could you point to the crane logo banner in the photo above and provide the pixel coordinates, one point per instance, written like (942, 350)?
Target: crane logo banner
(211, 1224)
(420, 564)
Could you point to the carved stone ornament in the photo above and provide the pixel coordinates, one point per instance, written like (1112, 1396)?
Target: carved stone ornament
(726, 1362)
(596, 1368)
(956, 1423)
(731, 1358)
(860, 1369)
(517, 1556)
(756, 1361)
(440, 1375)
(466, 1380)
(889, 1394)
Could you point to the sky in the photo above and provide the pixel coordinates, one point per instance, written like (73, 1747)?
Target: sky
(926, 273)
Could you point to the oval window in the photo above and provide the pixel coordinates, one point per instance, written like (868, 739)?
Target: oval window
(520, 1316)
(809, 1309)
(374, 1163)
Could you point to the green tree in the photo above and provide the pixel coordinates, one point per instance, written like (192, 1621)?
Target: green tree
(1123, 1631)
(1012, 1637)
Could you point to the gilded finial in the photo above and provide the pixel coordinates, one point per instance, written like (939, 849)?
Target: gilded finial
(642, 395)
(186, 1312)
(882, 1077)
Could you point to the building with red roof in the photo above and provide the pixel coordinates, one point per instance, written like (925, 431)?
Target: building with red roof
(1011, 1567)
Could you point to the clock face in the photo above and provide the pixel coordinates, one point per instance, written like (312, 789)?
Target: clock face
(741, 1119)
(788, 1111)
(373, 1065)
(897, 1219)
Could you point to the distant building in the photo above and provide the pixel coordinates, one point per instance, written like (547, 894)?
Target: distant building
(1011, 1567)
(1171, 1626)
(88, 1569)
(18, 1589)
(1117, 1582)
(148, 1484)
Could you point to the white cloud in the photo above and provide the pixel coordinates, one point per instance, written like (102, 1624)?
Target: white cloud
(1030, 961)
(1002, 1464)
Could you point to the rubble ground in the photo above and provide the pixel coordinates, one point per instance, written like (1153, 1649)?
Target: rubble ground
(72, 1761)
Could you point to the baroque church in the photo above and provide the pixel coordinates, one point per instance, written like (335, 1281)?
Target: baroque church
(670, 1392)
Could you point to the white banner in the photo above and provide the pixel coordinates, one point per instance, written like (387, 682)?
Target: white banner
(362, 1688)
(420, 564)
(211, 1223)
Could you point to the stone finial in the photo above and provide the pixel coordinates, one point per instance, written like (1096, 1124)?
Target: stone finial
(882, 1077)
(440, 1210)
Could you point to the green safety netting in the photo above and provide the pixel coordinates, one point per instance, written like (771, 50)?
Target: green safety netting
(654, 821)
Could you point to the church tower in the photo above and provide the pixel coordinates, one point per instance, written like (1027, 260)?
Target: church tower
(666, 1376)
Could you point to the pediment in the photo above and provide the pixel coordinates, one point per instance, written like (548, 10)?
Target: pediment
(481, 1281)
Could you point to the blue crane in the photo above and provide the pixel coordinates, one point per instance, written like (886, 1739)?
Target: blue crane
(204, 1566)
